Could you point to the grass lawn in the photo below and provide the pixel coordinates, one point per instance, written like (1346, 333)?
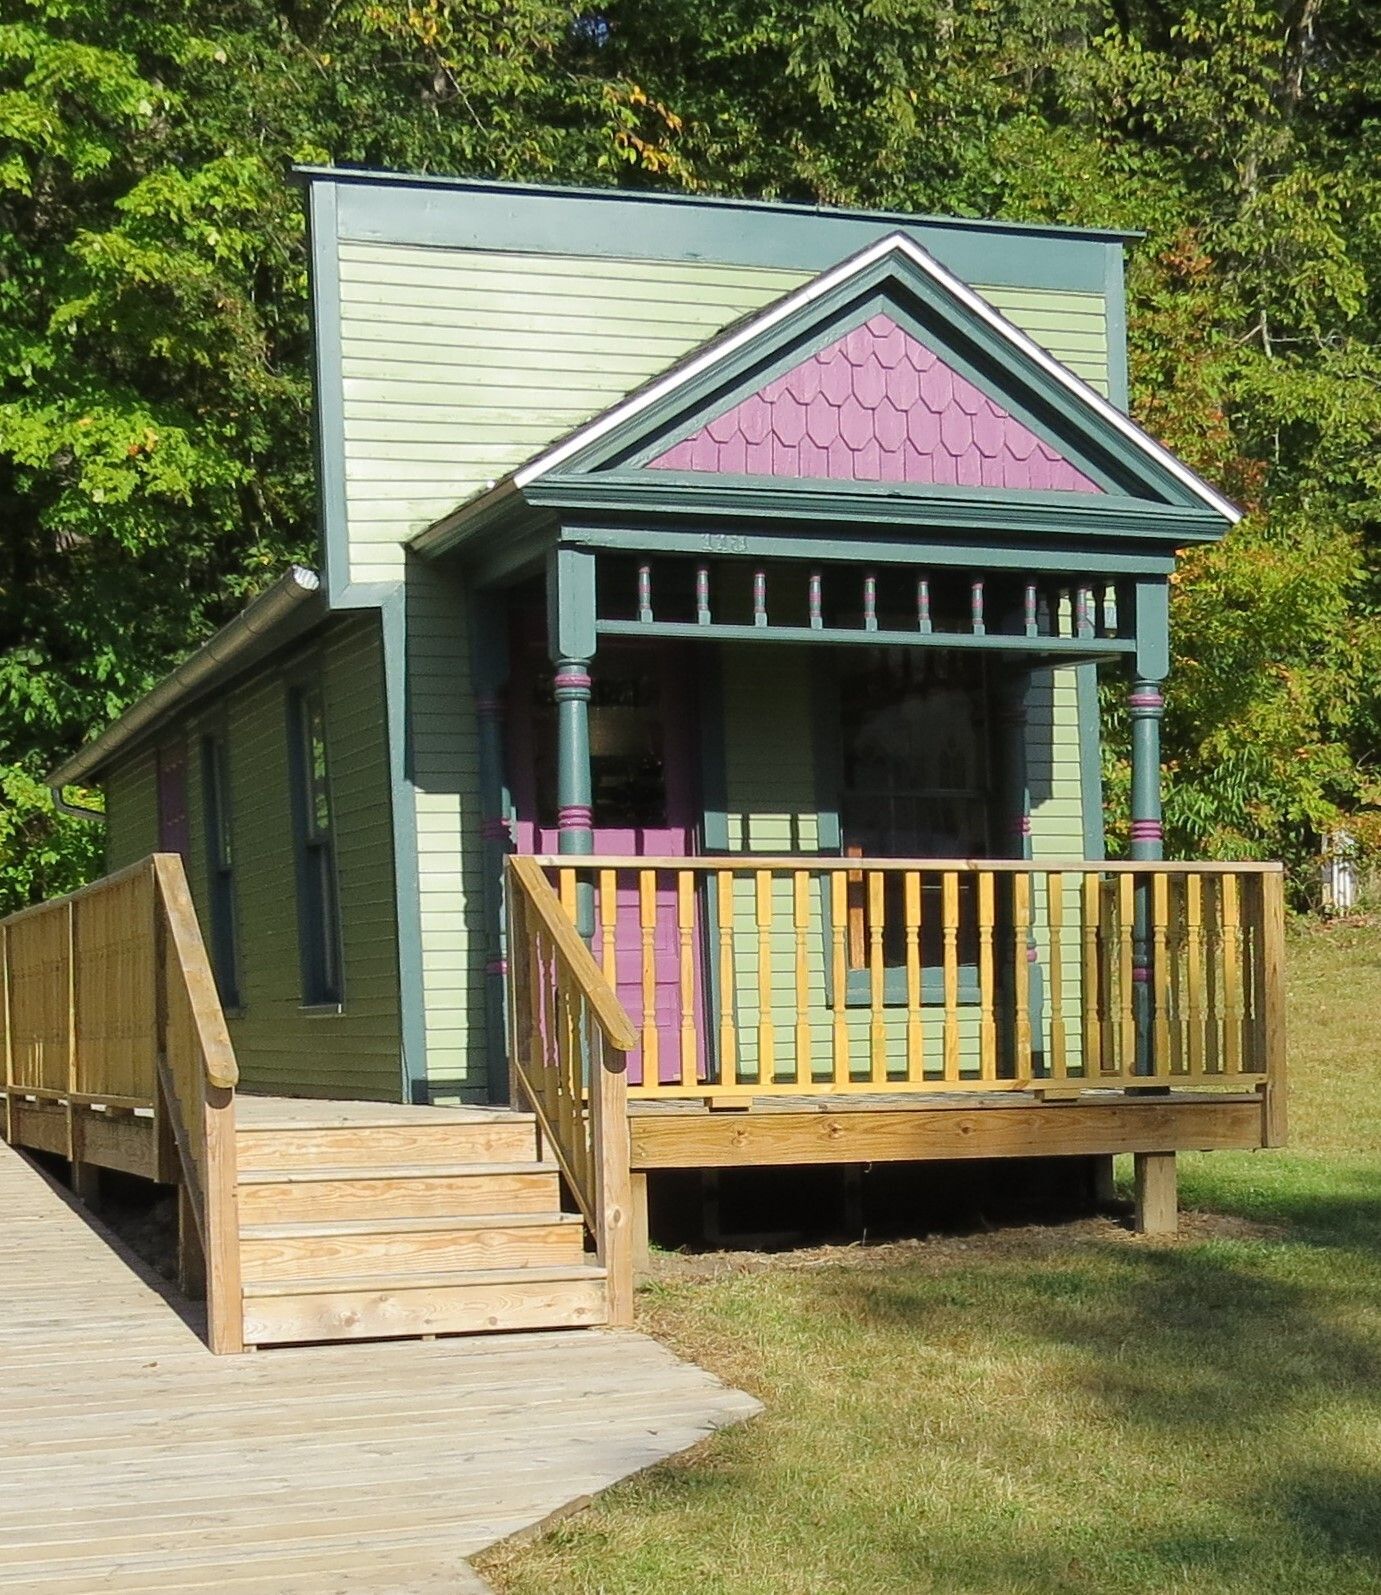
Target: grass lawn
(1063, 1409)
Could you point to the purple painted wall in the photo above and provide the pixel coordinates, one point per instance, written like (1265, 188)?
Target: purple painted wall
(876, 406)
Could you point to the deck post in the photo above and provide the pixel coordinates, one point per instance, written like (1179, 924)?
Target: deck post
(641, 1240)
(571, 639)
(1156, 1201)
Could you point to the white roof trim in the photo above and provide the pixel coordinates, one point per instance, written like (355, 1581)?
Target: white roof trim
(900, 244)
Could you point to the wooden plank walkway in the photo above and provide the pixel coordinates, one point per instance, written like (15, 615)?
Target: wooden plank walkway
(131, 1460)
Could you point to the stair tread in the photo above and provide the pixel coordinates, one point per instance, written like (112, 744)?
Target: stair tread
(311, 1228)
(446, 1118)
(370, 1284)
(389, 1171)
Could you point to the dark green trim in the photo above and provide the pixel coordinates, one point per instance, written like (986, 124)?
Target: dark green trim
(406, 883)
(319, 938)
(824, 543)
(1152, 620)
(858, 991)
(963, 337)
(714, 782)
(218, 822)
(462, 213)
(740, 500)
(328, 399)
(1063, 648)
(1115, 306)
(1090, 760)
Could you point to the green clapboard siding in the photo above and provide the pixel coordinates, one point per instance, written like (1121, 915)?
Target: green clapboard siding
(280, 1048)
(458, 365)
(772, 799)
(131, 806)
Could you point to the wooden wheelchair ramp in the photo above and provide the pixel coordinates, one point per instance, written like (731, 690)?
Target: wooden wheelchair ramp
(132, 1460)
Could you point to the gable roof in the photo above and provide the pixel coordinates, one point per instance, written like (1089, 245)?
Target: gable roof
(899, 253)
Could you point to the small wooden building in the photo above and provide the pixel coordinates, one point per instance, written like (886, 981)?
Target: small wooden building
(755, 567)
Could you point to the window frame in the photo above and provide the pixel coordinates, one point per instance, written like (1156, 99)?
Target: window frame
(218, 844)
(320, 942)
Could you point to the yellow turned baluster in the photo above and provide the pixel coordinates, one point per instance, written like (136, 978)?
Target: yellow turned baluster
(566, 1075)
(1232, 976)
(1091, 990)
(1160, 974)
(1055, 982)
(647, 919)
(767, 1034)
(608, 925)
(685, 934)
(950, 910)
(800, 886)
(728, 1024)
(1021, 963)
(566, 889)
(877, 976)
(839, 978)
(1213, 958)
(1195, 1020)
(987, 988)
(1126, 899)
(915, 1038)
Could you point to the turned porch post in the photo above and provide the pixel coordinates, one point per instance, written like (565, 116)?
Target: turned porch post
(571, 641)
(1146, 706)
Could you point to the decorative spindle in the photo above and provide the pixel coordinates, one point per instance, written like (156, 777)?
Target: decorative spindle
(1066, 613)
(1110, 610)
(1029, 608)
(870, 603)
(645, 594)
(759, 597)
(923, 624)
(1085, 611)
(817, 612)
(702, 595)
(976, 608)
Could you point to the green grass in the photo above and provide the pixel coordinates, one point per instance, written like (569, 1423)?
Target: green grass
(1071, 1409)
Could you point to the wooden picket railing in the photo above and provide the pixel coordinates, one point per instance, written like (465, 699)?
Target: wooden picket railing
(955, 975)
(116, 1054)
(568, 1043)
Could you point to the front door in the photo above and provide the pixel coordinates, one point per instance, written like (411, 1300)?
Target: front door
(645, 805)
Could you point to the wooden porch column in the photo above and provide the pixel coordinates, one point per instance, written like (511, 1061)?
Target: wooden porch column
(571, 640)
(489, 647)
(1147, 706)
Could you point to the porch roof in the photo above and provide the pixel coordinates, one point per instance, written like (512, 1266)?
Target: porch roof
(634, 474)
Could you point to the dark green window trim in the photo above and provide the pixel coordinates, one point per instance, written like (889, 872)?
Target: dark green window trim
(220, 867)
(318, 899)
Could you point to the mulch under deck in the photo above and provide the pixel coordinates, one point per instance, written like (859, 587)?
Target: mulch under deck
(132, 1460)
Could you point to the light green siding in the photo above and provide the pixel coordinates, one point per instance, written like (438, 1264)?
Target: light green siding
(131, 806)
(772, 798)
(457, 366)
(355, 1053)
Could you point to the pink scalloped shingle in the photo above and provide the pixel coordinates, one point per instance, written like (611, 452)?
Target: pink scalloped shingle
(876, 405)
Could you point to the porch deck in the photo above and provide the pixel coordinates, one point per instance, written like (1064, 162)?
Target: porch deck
(132, 1461)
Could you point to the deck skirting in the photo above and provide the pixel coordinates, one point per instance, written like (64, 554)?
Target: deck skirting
(882, 1130)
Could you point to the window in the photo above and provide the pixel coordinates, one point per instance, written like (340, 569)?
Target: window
(318, 909)
(220, 868)
(915, 782)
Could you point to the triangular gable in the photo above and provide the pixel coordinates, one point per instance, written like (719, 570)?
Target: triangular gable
(876, 405)
(995, 403)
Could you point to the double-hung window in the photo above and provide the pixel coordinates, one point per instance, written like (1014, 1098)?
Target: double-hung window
(318, 906)
(220, 868)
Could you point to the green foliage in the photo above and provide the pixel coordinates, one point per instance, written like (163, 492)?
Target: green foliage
(154, 406)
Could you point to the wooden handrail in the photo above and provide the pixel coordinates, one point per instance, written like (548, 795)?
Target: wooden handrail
(707, 864)
(218, 1055)
(605, 1006)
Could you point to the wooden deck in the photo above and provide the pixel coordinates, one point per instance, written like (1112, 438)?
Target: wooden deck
(132, 1460)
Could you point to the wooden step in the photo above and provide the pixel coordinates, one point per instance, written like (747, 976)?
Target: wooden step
(446, 1303)
(404, 1190)
(497, 1138)
(395, 1247)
